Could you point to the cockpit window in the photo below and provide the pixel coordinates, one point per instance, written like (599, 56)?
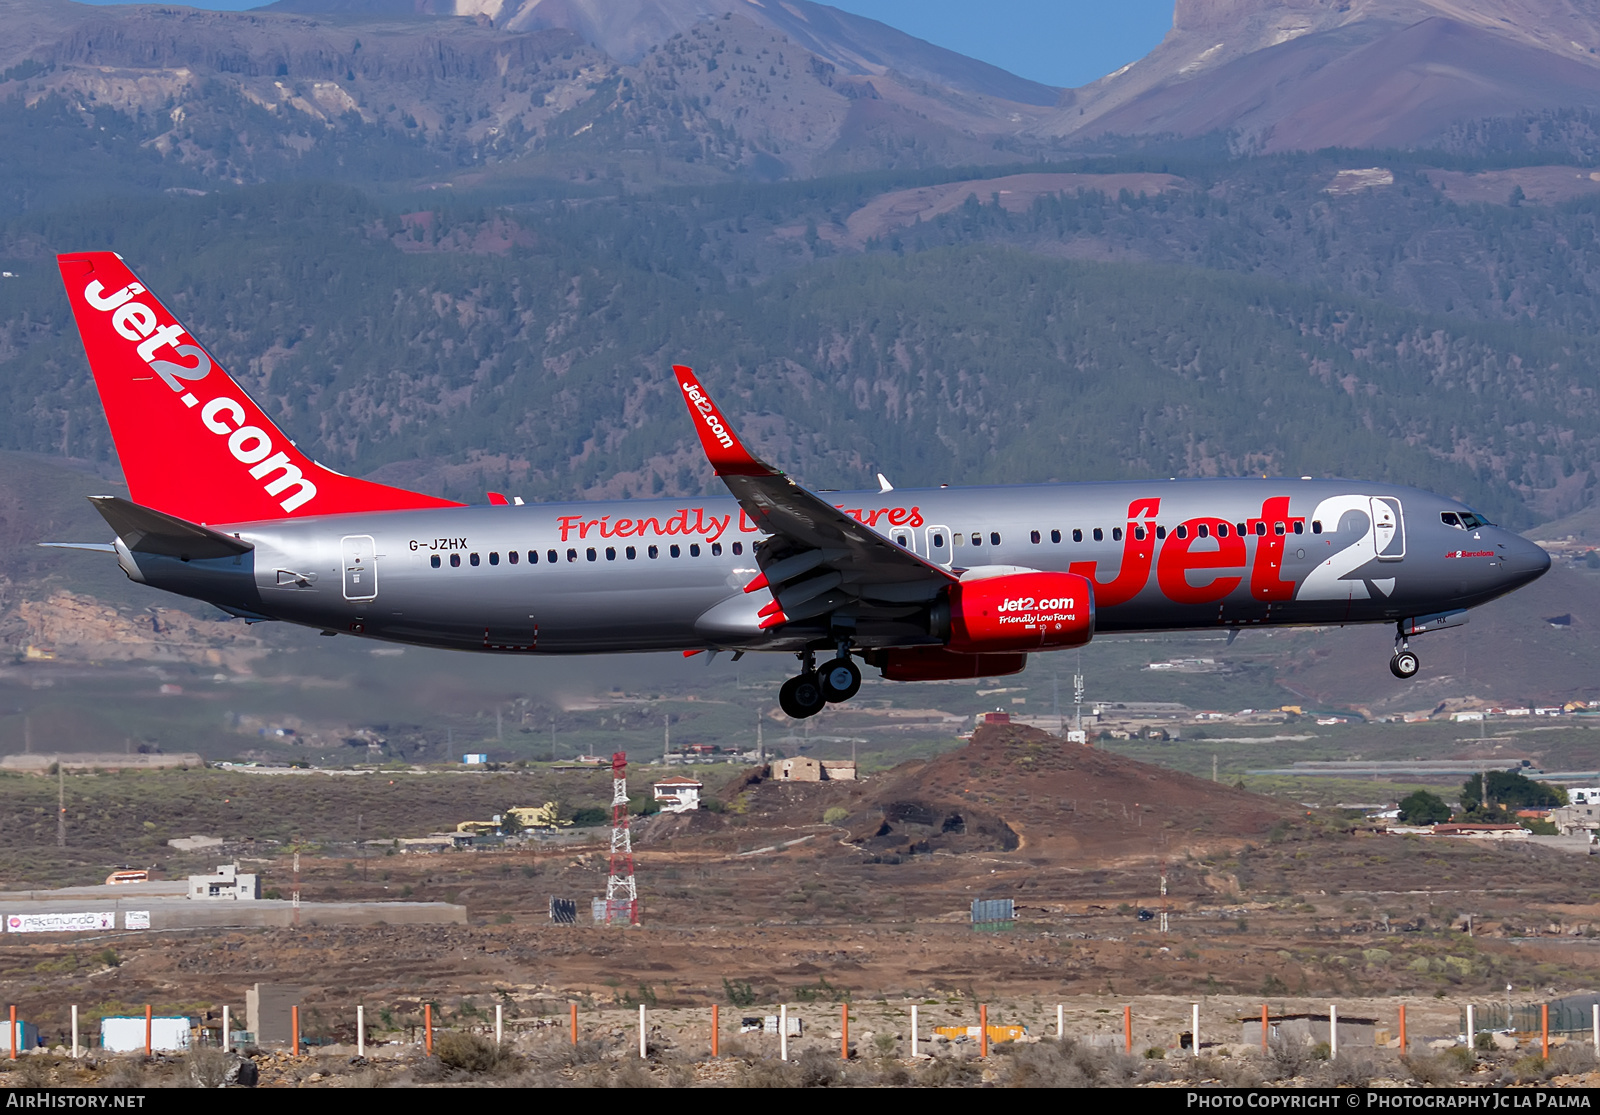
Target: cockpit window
(1473, 520)
(1449, 519)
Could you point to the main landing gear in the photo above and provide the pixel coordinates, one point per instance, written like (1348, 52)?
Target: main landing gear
(809, 691)
(1405, 664)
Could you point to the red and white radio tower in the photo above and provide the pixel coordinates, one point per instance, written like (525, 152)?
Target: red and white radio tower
(622, 896)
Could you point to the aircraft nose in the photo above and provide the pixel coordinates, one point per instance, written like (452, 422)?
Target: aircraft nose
(1525, 561)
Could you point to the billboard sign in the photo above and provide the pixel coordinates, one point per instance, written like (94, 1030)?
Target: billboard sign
(137, 919)
(60, 923)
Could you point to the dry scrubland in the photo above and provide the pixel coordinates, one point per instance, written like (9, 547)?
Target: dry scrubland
(1269, 903)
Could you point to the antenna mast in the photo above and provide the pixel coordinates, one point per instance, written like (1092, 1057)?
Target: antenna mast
(622, 894)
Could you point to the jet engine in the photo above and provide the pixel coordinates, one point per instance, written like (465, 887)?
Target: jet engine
(1016, 612)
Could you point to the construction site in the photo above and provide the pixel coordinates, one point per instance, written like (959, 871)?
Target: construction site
(1019, 880)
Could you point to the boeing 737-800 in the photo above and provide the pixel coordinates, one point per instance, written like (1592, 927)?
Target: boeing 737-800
(929, 584)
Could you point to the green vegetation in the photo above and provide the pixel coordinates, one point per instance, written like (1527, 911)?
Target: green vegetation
(1508, 790)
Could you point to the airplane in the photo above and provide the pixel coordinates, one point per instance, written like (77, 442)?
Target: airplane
(934, 584)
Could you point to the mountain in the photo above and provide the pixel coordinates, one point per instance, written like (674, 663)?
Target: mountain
(627, 30)
(1309, 74)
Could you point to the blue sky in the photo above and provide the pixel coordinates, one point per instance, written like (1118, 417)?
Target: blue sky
(1059, 42)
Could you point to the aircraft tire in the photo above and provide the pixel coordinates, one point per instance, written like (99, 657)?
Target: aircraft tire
(841, 679)
(801, 696)
(1404, 665)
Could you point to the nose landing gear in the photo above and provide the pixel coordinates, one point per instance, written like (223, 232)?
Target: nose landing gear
(1405, 664)
(809, 691)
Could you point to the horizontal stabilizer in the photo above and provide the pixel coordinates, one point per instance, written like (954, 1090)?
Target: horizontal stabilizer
(145, 530)
(92, 547)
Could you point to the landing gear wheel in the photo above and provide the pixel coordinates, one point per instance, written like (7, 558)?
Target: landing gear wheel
(1404, 665)
(801, 696)
(840, 680)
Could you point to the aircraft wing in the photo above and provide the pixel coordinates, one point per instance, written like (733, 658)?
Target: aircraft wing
(818, 559)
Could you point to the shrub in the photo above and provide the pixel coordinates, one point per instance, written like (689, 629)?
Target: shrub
(473, 1054)
(834, 815)
(1350, 1070)
(1287, 1057)
(1428, 1068)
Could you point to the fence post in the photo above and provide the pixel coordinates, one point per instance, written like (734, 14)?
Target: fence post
(1472, 1033)
(983, 1030)
(294, 1031)
(1402, 1029)
(914, 1030)
(361, 1031)
(1597, 1027)
(642, 1053)
(1263, 1029)
(1061, 1029)
(427, 1028)
(11, 1034)
(499, 1024)
(1544, 1027)
(75, 1029)
(1194, 1029)
(783, 1032)
(1127, 1028)
(148, 1026)
(1333, 1031)
(715, 1031)
(227, 1038)
(574, 1010)
(844, 1031)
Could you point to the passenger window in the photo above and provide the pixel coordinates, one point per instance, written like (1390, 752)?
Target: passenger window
(738, 548)
(1055, 536)
(631, 552)
(1138, 532)
(1116, 534)
(550, 556)
(694, 549)
(1033, 536)
(611, 553)
(494, 557)
(1299, 526)
(455, 561)
(1182, 531)
(533, 557)
(1316, 526)
(1077, 535)
(1261, 530)
(938, 541)
(1241, 529)
(512, 557)
(572, 555)
(1099, 535)
(1277, 528)
(1222, 530)
(1161, 532)
(994, 538)
(958, 539)
(674, 550)
(1448, 518)
(473, 559)
(590, 554)
(434, 561)
(1202, 531)
(654, 552)
(716, 549)
(977, 539)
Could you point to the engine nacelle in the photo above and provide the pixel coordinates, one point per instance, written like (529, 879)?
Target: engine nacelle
(938, 664)
(1016, 612)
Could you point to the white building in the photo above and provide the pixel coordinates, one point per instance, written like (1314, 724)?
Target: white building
(227, 883)
(678, 795)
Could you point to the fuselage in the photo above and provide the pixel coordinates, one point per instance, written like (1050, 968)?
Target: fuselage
(636, 575)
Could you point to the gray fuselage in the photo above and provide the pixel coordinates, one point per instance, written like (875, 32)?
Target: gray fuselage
(635, 575)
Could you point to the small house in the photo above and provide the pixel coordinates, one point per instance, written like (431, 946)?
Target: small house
(226, 884)
(799, 769)
(678, 795)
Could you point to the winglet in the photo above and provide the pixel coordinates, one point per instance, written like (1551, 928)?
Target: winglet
(722, 446)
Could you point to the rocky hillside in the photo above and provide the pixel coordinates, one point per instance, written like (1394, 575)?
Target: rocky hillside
(1308, 74)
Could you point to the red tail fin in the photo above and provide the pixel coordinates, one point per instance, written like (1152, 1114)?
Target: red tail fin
(192, 443)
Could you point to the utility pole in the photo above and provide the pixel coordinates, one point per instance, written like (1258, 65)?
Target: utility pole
(296, 894)
(363, 846)
(761, 750)
(666, 738)
(498, 726)
(27, 735)
(61, 804)
(1213, 768)
(449, 745)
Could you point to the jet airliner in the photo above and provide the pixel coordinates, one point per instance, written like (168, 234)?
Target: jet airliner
(923, 585)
